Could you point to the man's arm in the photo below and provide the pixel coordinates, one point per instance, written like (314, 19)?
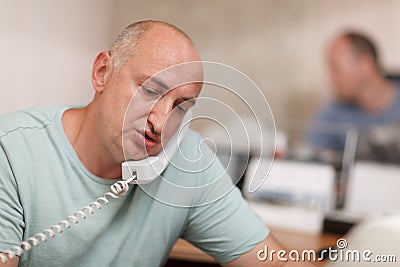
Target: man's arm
(10, 263)
(11, 212)
(251, 258)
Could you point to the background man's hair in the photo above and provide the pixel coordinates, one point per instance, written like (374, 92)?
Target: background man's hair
(124, 46)
(363, 45)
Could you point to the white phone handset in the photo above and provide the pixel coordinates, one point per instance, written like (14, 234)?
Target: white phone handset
(148, 169)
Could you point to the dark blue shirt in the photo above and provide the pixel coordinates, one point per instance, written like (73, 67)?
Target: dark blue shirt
(332, 123)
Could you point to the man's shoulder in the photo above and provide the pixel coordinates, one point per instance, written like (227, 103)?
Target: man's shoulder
(338, 111)
(189, 147)
(191, 137)
(194, 144)
(28, 119)
(397, 97)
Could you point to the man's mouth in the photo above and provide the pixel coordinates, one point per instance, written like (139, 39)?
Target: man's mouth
(150, 140)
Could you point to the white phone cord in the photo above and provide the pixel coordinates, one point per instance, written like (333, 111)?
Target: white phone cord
(117, 189)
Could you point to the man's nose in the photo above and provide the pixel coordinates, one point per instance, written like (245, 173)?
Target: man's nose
(159, 114)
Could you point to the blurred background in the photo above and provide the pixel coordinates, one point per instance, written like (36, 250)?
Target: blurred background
(48, 47)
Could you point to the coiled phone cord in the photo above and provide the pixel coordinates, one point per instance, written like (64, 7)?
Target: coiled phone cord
(117, 189)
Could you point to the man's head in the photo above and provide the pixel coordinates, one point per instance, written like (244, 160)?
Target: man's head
(127, 42)
(353, 60)
(140, 96)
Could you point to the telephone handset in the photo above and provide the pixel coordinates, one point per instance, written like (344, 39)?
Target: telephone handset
(148, 169)
(133, 172)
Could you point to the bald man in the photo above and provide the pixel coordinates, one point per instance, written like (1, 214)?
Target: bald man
(364, 97)
(55, 160)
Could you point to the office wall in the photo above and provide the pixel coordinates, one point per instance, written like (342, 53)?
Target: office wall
(47, 48)
(279, 44)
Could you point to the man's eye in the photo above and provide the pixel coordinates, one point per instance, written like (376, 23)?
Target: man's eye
(148, 91)
(181, 109)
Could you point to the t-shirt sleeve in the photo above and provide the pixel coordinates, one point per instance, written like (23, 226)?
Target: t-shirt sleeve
(226, 227)
(11, 212)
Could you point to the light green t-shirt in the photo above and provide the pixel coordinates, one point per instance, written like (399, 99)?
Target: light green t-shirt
(42, 181)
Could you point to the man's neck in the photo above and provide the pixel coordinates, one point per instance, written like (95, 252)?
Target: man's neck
(377, 95)
(81, 130)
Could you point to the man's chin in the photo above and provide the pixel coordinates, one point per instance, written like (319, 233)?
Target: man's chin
(142, 154)
(138, 154)
(152, 151)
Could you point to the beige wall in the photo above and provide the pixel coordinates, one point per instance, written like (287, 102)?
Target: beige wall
(279, 44)
(48, 46)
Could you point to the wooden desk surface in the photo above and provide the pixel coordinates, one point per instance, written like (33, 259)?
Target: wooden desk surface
(290, 240)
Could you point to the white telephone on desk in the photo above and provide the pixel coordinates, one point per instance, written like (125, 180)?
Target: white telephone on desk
(133, 172)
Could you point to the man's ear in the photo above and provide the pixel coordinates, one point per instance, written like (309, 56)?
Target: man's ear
(102, 68)
(368, 64)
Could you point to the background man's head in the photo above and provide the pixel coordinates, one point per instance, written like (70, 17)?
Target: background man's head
(353, 60)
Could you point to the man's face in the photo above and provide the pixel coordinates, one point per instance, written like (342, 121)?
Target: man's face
(147, 98)
(345, 72)
(158, 107)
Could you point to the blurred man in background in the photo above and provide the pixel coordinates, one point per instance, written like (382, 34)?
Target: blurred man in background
(364, 97)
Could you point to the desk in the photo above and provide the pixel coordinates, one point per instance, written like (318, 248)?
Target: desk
(184, 251)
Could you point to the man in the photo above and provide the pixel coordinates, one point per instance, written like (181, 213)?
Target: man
(364, 97)
(54, 161)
